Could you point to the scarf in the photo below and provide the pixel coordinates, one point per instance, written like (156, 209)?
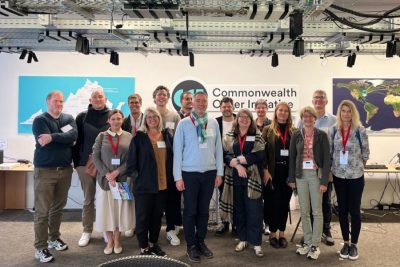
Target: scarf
(254, 183)
(201, 124)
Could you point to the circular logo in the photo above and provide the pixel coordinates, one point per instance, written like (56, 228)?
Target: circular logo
(185, 86)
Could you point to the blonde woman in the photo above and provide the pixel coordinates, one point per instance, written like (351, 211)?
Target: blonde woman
(350, 152)
(309, 165)
(277, 137)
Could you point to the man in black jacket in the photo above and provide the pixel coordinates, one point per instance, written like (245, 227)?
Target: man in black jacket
(90, 123)
(133, 122)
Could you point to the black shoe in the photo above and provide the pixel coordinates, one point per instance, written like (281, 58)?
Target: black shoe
(223, 228)
(283, 242)
(273, 241)
(146, 251)
(156, 250)
(344, 252)
(203, 249)
(193, 254)
(353, 252)
(327, 238)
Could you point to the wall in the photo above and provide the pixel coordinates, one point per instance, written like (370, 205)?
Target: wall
(309, 73)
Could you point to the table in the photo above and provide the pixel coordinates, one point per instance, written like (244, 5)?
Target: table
(13, 187)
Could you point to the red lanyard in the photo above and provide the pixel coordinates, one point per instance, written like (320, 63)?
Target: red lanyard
(345, 139)
(192, 119)
(114, 147)
(242, 140)
(284, 138)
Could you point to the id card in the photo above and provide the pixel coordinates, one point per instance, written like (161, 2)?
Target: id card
(116, 162)
(66, 128)
(161, 144)
(308, 165)
(170, 125)
(344, 158)
(250, 138)
(284, 152)
(210, 132)
(204, 145)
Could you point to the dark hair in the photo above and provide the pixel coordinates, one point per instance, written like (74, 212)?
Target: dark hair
(135, 96)
(227, 100)
(185, 93)
(159, 88)
(113, 112)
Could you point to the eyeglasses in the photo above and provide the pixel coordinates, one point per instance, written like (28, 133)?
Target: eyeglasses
(319, 97)
(244, 117)
(151, 118)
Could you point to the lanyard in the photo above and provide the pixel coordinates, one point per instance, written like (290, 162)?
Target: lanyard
(345, 139)
(192, 119)
(284, 138)
(242, 140)
(114, 147)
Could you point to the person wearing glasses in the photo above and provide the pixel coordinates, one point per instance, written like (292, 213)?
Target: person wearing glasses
(309, 165)
(244, 157)
(324, 122)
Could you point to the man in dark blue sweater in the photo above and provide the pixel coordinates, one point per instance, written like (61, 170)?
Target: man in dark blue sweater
(90, 123)
(55, 134)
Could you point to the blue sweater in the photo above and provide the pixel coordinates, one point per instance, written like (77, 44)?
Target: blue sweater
(189, 156)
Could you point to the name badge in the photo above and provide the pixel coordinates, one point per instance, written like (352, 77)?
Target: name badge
(210, 132)
(204, 145)
(284, 152)
(250, 138)
(66, 128)
(170, 125)
(344, 158)
(161, 144)
(115, 162)
(308, 165)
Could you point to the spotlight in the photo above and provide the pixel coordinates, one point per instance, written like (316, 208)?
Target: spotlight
(114, 58)
(23, 54)
(296, 24)
(389, 49)
(79, 43)
(275, 60)
(298, 47)
(351, 60)
(185, 48)
(396, 48)
(191, 59)
(145, 44)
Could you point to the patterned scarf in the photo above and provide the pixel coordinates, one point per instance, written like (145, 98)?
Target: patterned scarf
(254, 183)
(200, 123)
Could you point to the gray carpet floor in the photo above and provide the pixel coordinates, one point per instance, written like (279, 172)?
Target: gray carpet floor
(379, 245)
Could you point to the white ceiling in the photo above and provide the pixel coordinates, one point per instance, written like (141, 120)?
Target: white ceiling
(215, 26)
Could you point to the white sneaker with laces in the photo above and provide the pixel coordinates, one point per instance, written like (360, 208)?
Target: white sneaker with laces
(85, 238)
(241, 246)
(303, 250)
(172, 238)
(43, 255)
(58, 244)
(258, 251)
(314, 252)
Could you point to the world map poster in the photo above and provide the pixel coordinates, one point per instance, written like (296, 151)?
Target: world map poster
(77, 91)
(377, 101)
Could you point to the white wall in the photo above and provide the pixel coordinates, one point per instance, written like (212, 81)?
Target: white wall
(308, 73)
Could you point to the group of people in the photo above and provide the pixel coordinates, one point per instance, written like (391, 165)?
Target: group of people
(256, 163)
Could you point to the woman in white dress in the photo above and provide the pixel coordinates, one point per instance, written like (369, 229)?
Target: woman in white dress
(109, 156)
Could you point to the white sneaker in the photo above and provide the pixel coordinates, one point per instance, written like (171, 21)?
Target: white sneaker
(303, 250)
(241, 246)
(172, 238)
(85, 238)
(129, 233)
(57, 244)
(258, 251)
(314, 252)
(43, 255)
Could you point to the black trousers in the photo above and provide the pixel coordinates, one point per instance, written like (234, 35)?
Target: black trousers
(199, 188)
(349, 194)
(279, 200)
(149, 211)
(173, 213)
(267, 197)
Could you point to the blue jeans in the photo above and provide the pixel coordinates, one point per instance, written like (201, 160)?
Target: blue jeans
(308, 190)
(198, 191)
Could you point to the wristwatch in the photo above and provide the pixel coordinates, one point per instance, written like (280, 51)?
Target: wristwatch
(238, 161)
